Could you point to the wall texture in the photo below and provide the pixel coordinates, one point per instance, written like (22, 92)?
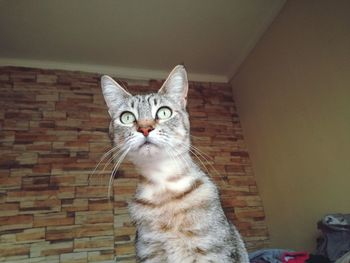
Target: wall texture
(54, 129)
(293, 98)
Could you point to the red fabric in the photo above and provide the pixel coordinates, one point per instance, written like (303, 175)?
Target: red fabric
(295, 257)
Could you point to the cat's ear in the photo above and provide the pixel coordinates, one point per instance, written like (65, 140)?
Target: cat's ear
(176, 85)
(113, 93)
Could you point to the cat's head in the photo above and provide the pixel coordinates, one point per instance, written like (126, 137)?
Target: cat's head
(152, 125)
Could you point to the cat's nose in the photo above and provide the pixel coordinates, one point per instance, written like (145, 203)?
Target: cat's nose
(145, 130)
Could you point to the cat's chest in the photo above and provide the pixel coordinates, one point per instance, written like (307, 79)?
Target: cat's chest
(169, 220)
(172, 209)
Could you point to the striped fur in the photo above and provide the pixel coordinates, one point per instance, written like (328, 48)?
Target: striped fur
(176, 207)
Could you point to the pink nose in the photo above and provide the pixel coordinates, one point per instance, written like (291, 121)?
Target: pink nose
(145, 130)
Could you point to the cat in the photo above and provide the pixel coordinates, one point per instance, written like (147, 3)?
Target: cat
(176, 207)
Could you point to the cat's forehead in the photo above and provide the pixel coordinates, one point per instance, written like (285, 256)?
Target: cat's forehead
(145, 100)
(145, 105)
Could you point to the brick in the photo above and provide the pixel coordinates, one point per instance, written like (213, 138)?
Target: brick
(9, 209)
(35, 182)
(99, 147)
(8, 237)
(230, 202)
(42, 169)
(13, 250)
(104, 256)
(28, 158)
(125, 231)
(255, 212)
(10, 182)
(55, 115)
(79, 257)
(15, 125)
(48, 248)
(93, 217)
(15, 222)
(74, 205)
(94, 243)
(54, 233)
(126, 259)
(125, 249)
(63, 135)
(40, 206)
(122, 220)
(51, 259)
(47, 97)
(72, 165)
(92, 192)
(96, 137)
(100, 205)
(76, 98)
(46, 78)
(31, 235)
(23, 76)
(77, 179)
(23, 114)
(39, 146)
(41, 124)
(7, 136)
(77, 145)
(28, 195)
(54, 219)
(91, 230)
(4, 76)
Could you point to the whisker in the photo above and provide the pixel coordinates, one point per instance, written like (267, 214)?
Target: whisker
(115, 151)
(197, 137)
(201, 154)
(116, 167)
(101, 160)
(109, 161)
(178, 154)
(202, 164)
(174, 158)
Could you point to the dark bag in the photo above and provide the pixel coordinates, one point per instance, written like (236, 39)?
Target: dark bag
(335, 241)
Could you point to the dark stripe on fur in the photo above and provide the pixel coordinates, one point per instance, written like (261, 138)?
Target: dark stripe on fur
(197, 183)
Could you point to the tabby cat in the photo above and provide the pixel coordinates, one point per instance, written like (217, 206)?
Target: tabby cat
(176, 207)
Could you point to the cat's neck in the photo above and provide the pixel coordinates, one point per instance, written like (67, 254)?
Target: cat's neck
(167, 168)
(167, 178)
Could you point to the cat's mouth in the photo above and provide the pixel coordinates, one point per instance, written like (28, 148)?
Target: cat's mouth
(146, 144)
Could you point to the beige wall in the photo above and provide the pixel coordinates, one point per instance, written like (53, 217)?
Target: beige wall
(293, 96)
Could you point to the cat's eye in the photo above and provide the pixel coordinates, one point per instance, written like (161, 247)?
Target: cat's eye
(127, 117)
(164, 113)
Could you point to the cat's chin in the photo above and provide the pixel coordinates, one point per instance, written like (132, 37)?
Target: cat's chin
(146, 150)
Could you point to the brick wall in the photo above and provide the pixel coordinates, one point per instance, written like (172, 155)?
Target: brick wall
(54, 129)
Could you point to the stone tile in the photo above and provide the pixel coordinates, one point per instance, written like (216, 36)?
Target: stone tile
(76, 257)
(53, 219)
(48, 248)
(106, 256)
(94, 243)
(15, 222)
(94, 217)
(31, 235)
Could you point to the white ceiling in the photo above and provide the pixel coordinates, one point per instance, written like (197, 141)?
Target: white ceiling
(134, 38)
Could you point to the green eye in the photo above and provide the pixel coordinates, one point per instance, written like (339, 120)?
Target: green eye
(164, 113)
(127, 117)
